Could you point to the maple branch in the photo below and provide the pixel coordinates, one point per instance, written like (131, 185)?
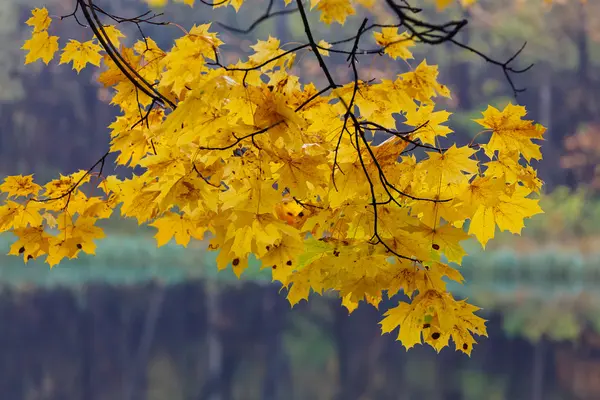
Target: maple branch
(264, 130)
(313, 44)
(409, 150)
(311, 98)
(241, 139)
(306, 205)
(332, 84)
(258, 66)
(144, 118)
(385, 182)
(442, 33)
(449, 29)
(359, 52)
(365, 30)
(374, 204)
(74, 15)
(208, 3)
(267, 15)
(358, 131)
(349, 106)
(419, 30)
(506, 68)
(349, 112)
(68, 193)
(130, 73)
(108, 44)
(402, 135)
(135, 20)
(205, 179)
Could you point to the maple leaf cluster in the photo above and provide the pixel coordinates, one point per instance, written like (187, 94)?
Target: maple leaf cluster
(286, 172)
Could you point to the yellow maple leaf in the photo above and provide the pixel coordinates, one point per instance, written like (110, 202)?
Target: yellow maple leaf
(179, 226)
(81, 54)
(133, 146)
(65, 184)
(429, 123)
(236, 4)
(187, 2)
(157, 3)
(334, 10)
(282, 256)
(299, 290)
(15, 215)
(112, 74)
(443, 4)
(265, 50)
(33, 241)
(511, 133)
(507, 211)
(61, 248)
(366, 3)
(437, 317)
(483, 224)
(39, 19)
(512, 210)
(410, 323)
(50, 220)
(19, 185)
(302, 171)
(188, 58)
(97, 207)
(421, 84)
(114, 34)
(467, 325)
(41, 46)
(324, 45)
(396, 45)
(453, 165)
(446, 239)
(83, 231)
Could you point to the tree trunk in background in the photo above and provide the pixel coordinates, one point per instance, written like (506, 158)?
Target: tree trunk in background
(340, 318)
(551, 153)
(353, 335)
(137, 385)
(581, 41)
(212, 388)
(546, 104)
(274, 325)
(86, 335)
(125, 353)
(520, 375)
(537, 379)
(582, 44)
(281, 28)
(6, 137)
(462, 71)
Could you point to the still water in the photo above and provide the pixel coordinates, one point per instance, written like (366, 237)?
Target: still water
(137, 323)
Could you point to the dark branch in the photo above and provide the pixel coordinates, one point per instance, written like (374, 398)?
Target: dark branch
(267, 15)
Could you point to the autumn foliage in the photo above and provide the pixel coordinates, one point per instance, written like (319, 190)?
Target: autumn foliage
(293, 174)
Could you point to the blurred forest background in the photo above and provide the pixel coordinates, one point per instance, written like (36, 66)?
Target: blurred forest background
(137, 323)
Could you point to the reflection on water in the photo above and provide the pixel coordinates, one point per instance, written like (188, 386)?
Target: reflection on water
(100, 328)
(193, 341)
